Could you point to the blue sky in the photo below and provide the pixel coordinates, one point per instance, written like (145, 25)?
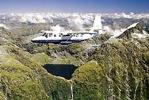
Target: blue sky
(100, 6)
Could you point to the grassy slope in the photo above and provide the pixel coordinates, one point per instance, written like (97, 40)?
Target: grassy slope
(23, 78)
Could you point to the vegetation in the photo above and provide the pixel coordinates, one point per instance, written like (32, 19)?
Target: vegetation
(117, 70)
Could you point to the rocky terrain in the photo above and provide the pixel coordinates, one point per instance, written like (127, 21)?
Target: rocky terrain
(116, 69)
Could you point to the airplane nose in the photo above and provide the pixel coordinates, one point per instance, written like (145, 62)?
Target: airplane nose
(33, 40)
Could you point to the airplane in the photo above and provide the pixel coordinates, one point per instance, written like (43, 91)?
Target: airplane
(68, 37)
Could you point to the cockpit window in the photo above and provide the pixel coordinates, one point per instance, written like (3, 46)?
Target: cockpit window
(44, 34)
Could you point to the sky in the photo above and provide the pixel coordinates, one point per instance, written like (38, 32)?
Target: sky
(81, 6)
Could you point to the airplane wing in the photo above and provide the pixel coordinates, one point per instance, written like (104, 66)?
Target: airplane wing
(81, 32)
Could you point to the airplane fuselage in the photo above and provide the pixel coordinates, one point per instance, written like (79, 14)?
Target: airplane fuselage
(63, 39)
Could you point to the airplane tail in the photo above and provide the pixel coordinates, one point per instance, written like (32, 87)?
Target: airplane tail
(97, 25)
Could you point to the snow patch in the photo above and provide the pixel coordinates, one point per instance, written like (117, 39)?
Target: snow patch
(133, 25)
(3, 26)
(137, 35)
(117, 33)
(126, 15)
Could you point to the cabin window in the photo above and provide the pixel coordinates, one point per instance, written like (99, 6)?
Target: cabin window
(60, 35)
(46, 36)
(50, 34)
(54, 35)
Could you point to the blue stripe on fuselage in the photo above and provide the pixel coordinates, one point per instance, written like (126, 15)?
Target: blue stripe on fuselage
(55, 41)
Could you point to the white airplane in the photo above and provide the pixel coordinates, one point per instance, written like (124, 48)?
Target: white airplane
(69, 37)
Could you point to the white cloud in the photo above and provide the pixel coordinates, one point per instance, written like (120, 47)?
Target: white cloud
(57, 29)
(32, 18)
(76, 22)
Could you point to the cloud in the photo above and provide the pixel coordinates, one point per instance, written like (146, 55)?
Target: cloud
(76, 23)
(32, 18)
(57, 29)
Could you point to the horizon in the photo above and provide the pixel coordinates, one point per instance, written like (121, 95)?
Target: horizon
(74, 6)
(113, 13)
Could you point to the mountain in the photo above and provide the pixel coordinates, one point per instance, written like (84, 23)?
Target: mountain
(134, 31)
(115, 69)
